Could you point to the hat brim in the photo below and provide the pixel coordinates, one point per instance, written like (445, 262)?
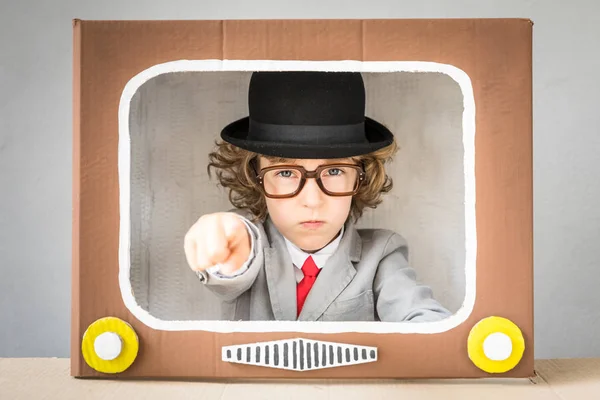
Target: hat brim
(377, 135)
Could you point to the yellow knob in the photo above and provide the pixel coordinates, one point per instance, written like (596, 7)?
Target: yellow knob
(495, 345)
(110, 345)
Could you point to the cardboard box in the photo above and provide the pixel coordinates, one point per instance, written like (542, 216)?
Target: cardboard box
(132, 76)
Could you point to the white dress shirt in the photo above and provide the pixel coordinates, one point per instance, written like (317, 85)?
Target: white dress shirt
(320, 257)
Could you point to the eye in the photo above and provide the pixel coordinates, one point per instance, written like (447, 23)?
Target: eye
(285, 173)
(334, 172)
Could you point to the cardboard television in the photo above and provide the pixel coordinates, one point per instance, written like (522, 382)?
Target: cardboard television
(150, 98)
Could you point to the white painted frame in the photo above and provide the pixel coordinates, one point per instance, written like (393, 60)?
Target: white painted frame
(124, 166)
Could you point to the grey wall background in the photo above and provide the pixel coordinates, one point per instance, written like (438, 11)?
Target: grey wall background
(35, 153)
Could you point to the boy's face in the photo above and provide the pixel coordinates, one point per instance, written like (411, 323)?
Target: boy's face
(311, 219)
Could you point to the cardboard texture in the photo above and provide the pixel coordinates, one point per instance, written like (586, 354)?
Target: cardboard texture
(495, 54)
(567, 379)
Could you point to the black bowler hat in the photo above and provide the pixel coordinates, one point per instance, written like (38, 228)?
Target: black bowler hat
(307, 114)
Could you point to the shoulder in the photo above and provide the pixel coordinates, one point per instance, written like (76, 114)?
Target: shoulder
(382, 241)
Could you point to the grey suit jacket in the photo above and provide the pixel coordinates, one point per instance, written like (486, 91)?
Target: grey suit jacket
(367, 279)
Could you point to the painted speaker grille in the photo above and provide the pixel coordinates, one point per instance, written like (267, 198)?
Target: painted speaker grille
(299, 354)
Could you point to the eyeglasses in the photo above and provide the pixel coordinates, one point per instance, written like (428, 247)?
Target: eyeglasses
(284, 181)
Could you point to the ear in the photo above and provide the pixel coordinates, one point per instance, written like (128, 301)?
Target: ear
(256, 164)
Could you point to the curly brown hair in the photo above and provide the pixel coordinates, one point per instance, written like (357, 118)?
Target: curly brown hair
(235, 170)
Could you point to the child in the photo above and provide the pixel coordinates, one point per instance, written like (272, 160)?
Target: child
(300, 170)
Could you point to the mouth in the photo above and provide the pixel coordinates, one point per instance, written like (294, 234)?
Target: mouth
(312, 224)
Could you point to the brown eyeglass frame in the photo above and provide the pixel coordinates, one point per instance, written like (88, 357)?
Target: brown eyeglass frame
(316, 174)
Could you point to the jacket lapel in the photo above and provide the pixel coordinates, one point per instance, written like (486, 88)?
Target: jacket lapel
(279, 271)
(337, 273)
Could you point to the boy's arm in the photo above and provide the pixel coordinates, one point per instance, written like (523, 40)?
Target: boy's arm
(230, 287)
(399, 296)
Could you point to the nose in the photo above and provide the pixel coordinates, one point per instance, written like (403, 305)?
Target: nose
(311, 195)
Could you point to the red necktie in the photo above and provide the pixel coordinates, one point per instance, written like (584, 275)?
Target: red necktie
(310, 271)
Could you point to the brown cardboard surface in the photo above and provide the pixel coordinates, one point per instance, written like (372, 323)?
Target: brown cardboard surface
(49, 378)
(577, 378)
(496, 54)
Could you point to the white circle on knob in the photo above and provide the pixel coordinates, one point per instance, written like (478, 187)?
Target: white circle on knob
(108, 346)
(497, 346)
